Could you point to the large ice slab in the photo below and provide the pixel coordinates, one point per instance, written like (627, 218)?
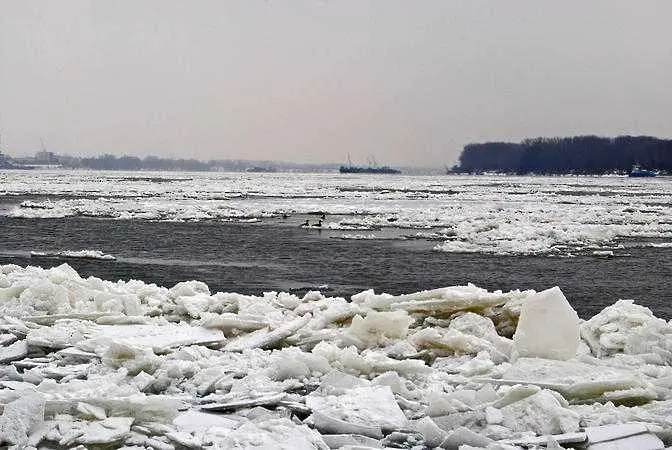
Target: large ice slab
(21, 417)
(645, 441)
(361, 410)
(548, 327)
(579, 381)
(17, 350)
(158, 337)
(112, 430)
(541, 413)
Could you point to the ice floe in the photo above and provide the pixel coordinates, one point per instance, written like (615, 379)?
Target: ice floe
(485, 214)
(79, 254)
(87, 362)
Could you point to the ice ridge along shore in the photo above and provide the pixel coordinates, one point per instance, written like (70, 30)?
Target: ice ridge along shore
(87, 362)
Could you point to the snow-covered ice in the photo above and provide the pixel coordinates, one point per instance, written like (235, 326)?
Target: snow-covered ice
(128, 364)
(79, 254)
(485, 214)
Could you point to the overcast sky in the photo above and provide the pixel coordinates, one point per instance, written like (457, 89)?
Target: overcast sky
(409, 82)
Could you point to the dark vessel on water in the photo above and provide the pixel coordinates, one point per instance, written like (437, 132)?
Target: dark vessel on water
(371, 168)
(355, 169)
(638, 172)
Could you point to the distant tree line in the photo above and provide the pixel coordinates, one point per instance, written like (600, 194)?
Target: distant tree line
(129, 163)
(112, 162)
(568, 155)
(5, 162)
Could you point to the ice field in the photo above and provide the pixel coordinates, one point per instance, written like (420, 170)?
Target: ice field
(496, 214)
(91, 363)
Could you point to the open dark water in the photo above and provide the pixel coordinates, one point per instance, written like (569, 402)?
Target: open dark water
(253, 258)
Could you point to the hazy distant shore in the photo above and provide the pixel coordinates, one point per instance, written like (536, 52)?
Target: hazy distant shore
(585, 155)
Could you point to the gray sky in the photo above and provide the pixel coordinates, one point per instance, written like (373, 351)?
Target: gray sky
(409, 82)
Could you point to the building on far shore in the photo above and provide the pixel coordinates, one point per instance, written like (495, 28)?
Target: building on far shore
(44, 157)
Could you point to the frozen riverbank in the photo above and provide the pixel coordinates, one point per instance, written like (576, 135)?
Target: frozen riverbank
(92, 362)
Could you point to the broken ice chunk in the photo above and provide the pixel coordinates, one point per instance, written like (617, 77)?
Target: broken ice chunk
(107, 431)
(645, 441)
(191, 420)
(576, 380)
(267, 339)
(336, 441)
(442, 342)
(143, 381)
(245, 402)
(185, 439)
(614, 431)
(328, 424)
(625, 327)
(269, 433)
(63, 334)
(87, 411)
(433, 435)
(378, 327)
(363, 410)
(483, 327)
(6, 339)
(135, 359)
(13, 352)
(158, 337)
(189, 289)
(541, 413)
(464, 436)
(229, 321)
(572, 439)
(291, 363)
(21, 417)
(548, 327)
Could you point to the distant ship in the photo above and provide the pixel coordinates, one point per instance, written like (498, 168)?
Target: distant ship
(260, 169)
(371, 168)
(638, 172)
(355, 169)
